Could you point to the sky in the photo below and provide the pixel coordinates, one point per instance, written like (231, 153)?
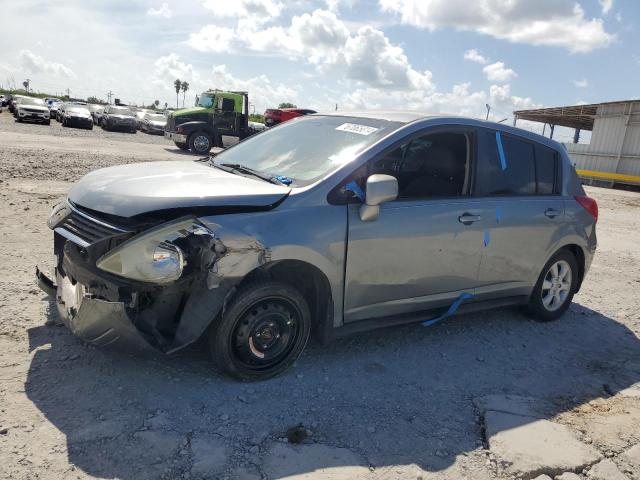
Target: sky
(452, 56)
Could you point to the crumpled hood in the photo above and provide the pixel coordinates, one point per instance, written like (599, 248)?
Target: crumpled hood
(134, 189)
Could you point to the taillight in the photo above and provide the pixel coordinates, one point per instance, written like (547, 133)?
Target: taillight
(589, 204)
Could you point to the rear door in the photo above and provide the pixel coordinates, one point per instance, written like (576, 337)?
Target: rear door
(517, 183)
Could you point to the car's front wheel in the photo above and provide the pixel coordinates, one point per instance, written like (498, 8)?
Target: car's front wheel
(200, 143)
(555, 288)
(262, 331)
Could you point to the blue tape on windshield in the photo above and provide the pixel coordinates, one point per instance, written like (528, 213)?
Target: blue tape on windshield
(503, 159)
(452, 309)
(282, 179)
(355, 188)
(499, 215)
(487, 238)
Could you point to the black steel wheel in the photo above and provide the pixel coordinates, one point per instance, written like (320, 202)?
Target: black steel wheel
(262, 332)
(199, 142)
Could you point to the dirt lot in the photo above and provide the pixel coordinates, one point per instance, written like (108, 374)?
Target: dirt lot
(393, 404)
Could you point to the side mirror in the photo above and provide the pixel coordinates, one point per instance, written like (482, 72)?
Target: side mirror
(380, 189)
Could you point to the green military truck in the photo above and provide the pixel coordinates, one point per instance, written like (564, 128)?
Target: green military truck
(217, 113)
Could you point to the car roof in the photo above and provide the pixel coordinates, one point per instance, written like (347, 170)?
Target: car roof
(407, 117)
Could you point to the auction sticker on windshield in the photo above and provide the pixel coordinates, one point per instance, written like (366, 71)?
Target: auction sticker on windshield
(355, 128)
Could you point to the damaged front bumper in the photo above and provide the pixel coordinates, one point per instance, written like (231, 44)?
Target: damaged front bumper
(99, 322)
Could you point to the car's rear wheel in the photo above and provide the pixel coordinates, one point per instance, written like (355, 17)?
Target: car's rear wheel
(555, 288)
(262, 331)
(200, 142)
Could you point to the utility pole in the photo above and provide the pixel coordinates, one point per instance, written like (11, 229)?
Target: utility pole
(488, 110)
(109, 95)
(68, 94)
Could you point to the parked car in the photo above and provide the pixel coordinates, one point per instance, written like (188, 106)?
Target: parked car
(93, 108)
(154, 123)
(53, 109)
(32, 110)
(62, 108)
(274, 116)
(140, 113)
(13, 101)
(116, 117)
(2, 98)
(331, 224)
(51, 101)
(77, 116)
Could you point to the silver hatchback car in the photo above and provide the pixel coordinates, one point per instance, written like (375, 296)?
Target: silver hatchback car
(325, 225)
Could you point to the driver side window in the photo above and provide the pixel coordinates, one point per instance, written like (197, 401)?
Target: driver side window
(432, 165)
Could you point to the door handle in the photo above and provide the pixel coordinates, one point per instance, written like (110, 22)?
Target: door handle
(468, 219)
(551, 212)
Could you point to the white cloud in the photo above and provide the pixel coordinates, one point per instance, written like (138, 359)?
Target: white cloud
(170, 67)
(497, 72)
(212, 38)
(559, 23)
(584, 83)
(321, 39)
(31, 62)
(606, 6)
(257, 10)
(163, 11)
(474, 55)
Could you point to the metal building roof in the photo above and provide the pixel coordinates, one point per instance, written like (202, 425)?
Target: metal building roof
(575, 116)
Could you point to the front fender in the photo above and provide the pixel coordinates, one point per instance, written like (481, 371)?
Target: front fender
(197, 126)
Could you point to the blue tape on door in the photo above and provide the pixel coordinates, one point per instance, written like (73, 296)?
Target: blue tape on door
(499, 214)
(487, 238)
(355, 188)
(452, 309)
(503, 159)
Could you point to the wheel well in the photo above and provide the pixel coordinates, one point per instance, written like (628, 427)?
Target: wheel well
(578, 254)
(310, 282)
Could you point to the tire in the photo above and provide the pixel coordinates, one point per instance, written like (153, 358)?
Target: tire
(182, 146)
(200, 143)
(105, 125)
(48, 122)
(274, 311)
(543, 305)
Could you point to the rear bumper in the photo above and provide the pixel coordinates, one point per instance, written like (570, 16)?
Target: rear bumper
(175, 137)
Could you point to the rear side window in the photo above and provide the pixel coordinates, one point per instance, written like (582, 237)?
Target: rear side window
(546, 170)
(510, 172)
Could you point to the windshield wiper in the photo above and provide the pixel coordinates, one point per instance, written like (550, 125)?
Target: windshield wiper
(231, 167)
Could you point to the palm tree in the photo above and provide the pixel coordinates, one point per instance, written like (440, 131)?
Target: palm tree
(185, 87)
(156, 103)
(177, 84)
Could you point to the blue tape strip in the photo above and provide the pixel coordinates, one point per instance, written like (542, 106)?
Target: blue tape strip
(487, 238)
(503, 159)
(282, 179)
(355, 188)
(499, 214)
(452, 309)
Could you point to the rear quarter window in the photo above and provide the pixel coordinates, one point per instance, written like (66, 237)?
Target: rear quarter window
(519, 176)
(546, 170)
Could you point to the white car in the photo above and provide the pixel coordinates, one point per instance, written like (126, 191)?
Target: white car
(32, 109)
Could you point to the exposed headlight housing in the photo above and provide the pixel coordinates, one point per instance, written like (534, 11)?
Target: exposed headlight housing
(153, 256)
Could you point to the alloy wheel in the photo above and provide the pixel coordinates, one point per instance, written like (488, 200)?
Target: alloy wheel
(556, 285)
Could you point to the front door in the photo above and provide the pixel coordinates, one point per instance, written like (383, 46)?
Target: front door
(424, 249)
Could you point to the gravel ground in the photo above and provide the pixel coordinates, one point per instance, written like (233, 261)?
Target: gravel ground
(391, 404)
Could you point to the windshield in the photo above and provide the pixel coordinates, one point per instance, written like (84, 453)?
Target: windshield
(79, 110)
(31, 101)
(206, 100)
(121, 111)
(306, 149)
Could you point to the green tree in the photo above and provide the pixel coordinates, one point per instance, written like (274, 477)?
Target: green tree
(185, 87)
(156, 103)
(287, 105)
(178, 85)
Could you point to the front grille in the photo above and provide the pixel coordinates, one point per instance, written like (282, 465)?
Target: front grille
(171, 124)
(32, 110)
(86, 230)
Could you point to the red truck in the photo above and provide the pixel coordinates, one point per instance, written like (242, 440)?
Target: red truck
(274, 116)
